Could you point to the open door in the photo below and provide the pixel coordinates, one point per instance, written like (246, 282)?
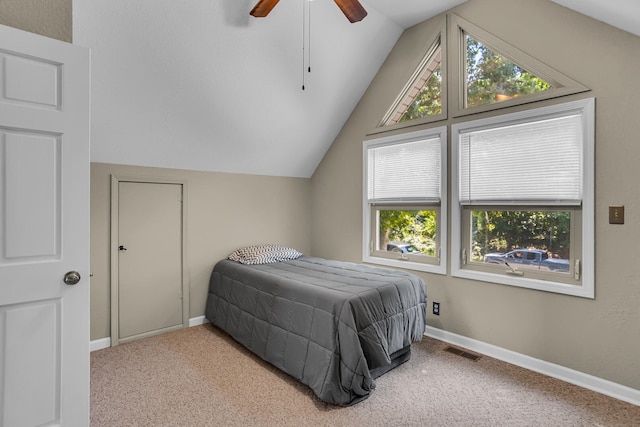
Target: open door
(44, 231)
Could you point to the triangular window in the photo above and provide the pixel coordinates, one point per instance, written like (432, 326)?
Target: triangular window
(422, 96)
(484, 73)
(489, 73)
(490, 77)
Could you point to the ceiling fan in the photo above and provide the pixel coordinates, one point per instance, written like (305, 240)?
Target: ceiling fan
(352, 9)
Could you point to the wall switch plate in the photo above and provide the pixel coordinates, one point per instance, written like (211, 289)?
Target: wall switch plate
(616, 214)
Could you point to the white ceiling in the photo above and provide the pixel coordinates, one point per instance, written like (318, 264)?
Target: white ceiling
(202, 85)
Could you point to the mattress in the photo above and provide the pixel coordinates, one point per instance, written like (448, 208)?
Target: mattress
(335, 326)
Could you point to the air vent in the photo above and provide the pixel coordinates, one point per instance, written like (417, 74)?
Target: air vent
(462, 353)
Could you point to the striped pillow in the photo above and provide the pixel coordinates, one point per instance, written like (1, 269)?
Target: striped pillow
(264, 254)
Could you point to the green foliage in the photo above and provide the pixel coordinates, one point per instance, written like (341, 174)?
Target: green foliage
(417, 227)
(503, 231)
(428, 102)
(491, 77)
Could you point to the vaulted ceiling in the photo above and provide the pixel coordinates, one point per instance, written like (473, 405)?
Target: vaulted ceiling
(201, 85)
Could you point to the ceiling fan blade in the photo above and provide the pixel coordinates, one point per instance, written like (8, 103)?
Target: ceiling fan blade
(352, 9)
(263, 7)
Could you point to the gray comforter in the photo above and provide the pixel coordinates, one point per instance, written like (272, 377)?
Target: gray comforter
(329, 324)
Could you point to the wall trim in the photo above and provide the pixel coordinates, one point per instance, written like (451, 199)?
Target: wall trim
(101, 343)
(599, 385)
(571, 376)
(200, 320)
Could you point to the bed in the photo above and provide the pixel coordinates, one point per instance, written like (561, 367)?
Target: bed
(335, 326)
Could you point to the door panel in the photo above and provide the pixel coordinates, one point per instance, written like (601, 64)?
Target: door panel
(32, 200)
(44, 231)
(34, 373)
(32, 81)
(150, 263)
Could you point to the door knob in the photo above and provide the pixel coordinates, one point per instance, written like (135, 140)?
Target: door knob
(122, 248)
(71, 278)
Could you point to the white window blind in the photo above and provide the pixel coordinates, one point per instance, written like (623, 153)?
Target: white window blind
(538, 162)
(405, 172)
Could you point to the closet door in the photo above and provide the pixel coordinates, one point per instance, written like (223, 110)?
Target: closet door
(149, 259)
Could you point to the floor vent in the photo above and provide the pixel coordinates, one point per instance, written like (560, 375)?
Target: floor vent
(462, 353)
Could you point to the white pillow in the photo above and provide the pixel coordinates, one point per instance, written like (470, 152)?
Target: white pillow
(264, 254)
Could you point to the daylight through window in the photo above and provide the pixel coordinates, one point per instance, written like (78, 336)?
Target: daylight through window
(404, 211)
(523, 196)
(493, 78)
(422, 96)
(522, 183)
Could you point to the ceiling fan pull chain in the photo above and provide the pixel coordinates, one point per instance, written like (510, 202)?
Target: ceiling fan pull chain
(304, 32)
(309, 38)
(306, 37)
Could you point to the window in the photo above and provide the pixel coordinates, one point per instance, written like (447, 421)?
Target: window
(404, 201)
(522, 208)
(522, 203)
(422, 96)
(488, 73)
(493, 78)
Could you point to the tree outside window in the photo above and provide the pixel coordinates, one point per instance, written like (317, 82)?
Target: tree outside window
(493, 78)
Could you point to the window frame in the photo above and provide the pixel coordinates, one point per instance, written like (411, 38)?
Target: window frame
(458, 29)
(437, 38)
(429, 264)
(437, 48)
(544, 275)
(404, 257)
(585, 238)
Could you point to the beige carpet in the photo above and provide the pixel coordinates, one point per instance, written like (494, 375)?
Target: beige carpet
(200, 377)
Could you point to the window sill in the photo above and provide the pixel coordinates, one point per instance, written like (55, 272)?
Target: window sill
(584, 290)
(407, 265)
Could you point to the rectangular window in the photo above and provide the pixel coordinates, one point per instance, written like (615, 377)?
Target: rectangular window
(536, 162)
(523, 198)
(540, 243)
(406, 233)
(404, 204)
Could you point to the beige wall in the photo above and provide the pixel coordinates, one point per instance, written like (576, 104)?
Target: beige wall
(225, 211)
(50, 18)
(599, 337)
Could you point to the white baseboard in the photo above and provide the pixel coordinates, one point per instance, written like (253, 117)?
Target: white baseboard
(200, 320)
(106, 342)
(578, 378)
(100, 344)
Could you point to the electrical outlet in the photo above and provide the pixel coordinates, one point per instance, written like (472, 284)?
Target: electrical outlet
(436, 308)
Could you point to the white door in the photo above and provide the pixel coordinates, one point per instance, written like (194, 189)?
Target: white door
(44, 231)
(150, 259)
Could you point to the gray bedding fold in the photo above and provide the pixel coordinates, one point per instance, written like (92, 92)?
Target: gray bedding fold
(326, 323)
